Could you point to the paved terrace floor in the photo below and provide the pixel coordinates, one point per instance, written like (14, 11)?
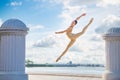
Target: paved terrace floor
(63, 77)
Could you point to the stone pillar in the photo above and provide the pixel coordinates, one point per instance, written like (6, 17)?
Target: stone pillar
(12, 50)
(112, 43)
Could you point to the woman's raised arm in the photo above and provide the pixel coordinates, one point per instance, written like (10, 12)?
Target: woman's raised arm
(80, 16)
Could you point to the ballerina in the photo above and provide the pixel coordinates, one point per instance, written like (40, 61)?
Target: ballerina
(72, 36)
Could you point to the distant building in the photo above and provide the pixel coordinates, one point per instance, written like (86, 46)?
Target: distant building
(70, 62)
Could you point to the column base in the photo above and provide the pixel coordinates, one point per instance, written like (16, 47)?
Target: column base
(13, 77)
(111, 76)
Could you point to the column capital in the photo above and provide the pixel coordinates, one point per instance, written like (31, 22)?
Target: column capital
(13, 32)
(112, 34)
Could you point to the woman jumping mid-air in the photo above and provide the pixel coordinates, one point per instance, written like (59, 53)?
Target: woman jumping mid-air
(72, 36)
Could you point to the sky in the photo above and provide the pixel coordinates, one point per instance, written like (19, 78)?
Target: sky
(45, 17)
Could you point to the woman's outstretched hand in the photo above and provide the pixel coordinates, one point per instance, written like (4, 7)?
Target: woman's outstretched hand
(80, 16)
(58, 32)
(83, 14)
(91, 20)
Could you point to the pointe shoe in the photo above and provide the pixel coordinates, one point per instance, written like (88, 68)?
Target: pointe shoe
(91, 20)
(57, 59)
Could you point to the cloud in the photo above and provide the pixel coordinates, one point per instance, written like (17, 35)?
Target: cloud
(1, 22)
(76, 48)
(15, 3)
(46, 50)
(46, 42)
(35, 27)
(73, 2)
(105, 3)
(69, 11)
(109, 22)
(50, 47)
(85, 2)
(96, 38)
(73, 8)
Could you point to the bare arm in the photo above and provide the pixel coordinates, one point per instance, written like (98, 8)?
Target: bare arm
(74, 22)
(71, 24)
(60, 32)
(85, 28)
(80, 16)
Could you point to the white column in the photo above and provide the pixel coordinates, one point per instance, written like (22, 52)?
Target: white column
(112, 43)
(12, 50)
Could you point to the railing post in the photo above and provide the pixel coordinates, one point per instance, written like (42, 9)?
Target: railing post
(112, 44)
(12, 50)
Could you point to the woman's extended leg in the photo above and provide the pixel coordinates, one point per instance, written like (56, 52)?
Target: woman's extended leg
(84, 29)
(69, 45)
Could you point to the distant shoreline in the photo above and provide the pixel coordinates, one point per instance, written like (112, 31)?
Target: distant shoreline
(64, 65)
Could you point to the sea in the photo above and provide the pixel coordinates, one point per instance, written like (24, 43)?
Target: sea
(66, 70)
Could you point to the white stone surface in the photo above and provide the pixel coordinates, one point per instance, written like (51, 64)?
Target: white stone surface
(55, 77)
(12, 50)
(112, 42)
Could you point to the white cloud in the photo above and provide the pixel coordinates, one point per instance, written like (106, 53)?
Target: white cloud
(87, 49)
(70, 11)
(73, 2)
(85, 2)
(109, 22)
(96, 38)
(105, 3)
(76, 48)
(1, 22)
(46, 50)
(15, 3)
(35, 27)
(46, 42)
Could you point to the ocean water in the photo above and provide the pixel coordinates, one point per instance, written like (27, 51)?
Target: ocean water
(66, 70)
